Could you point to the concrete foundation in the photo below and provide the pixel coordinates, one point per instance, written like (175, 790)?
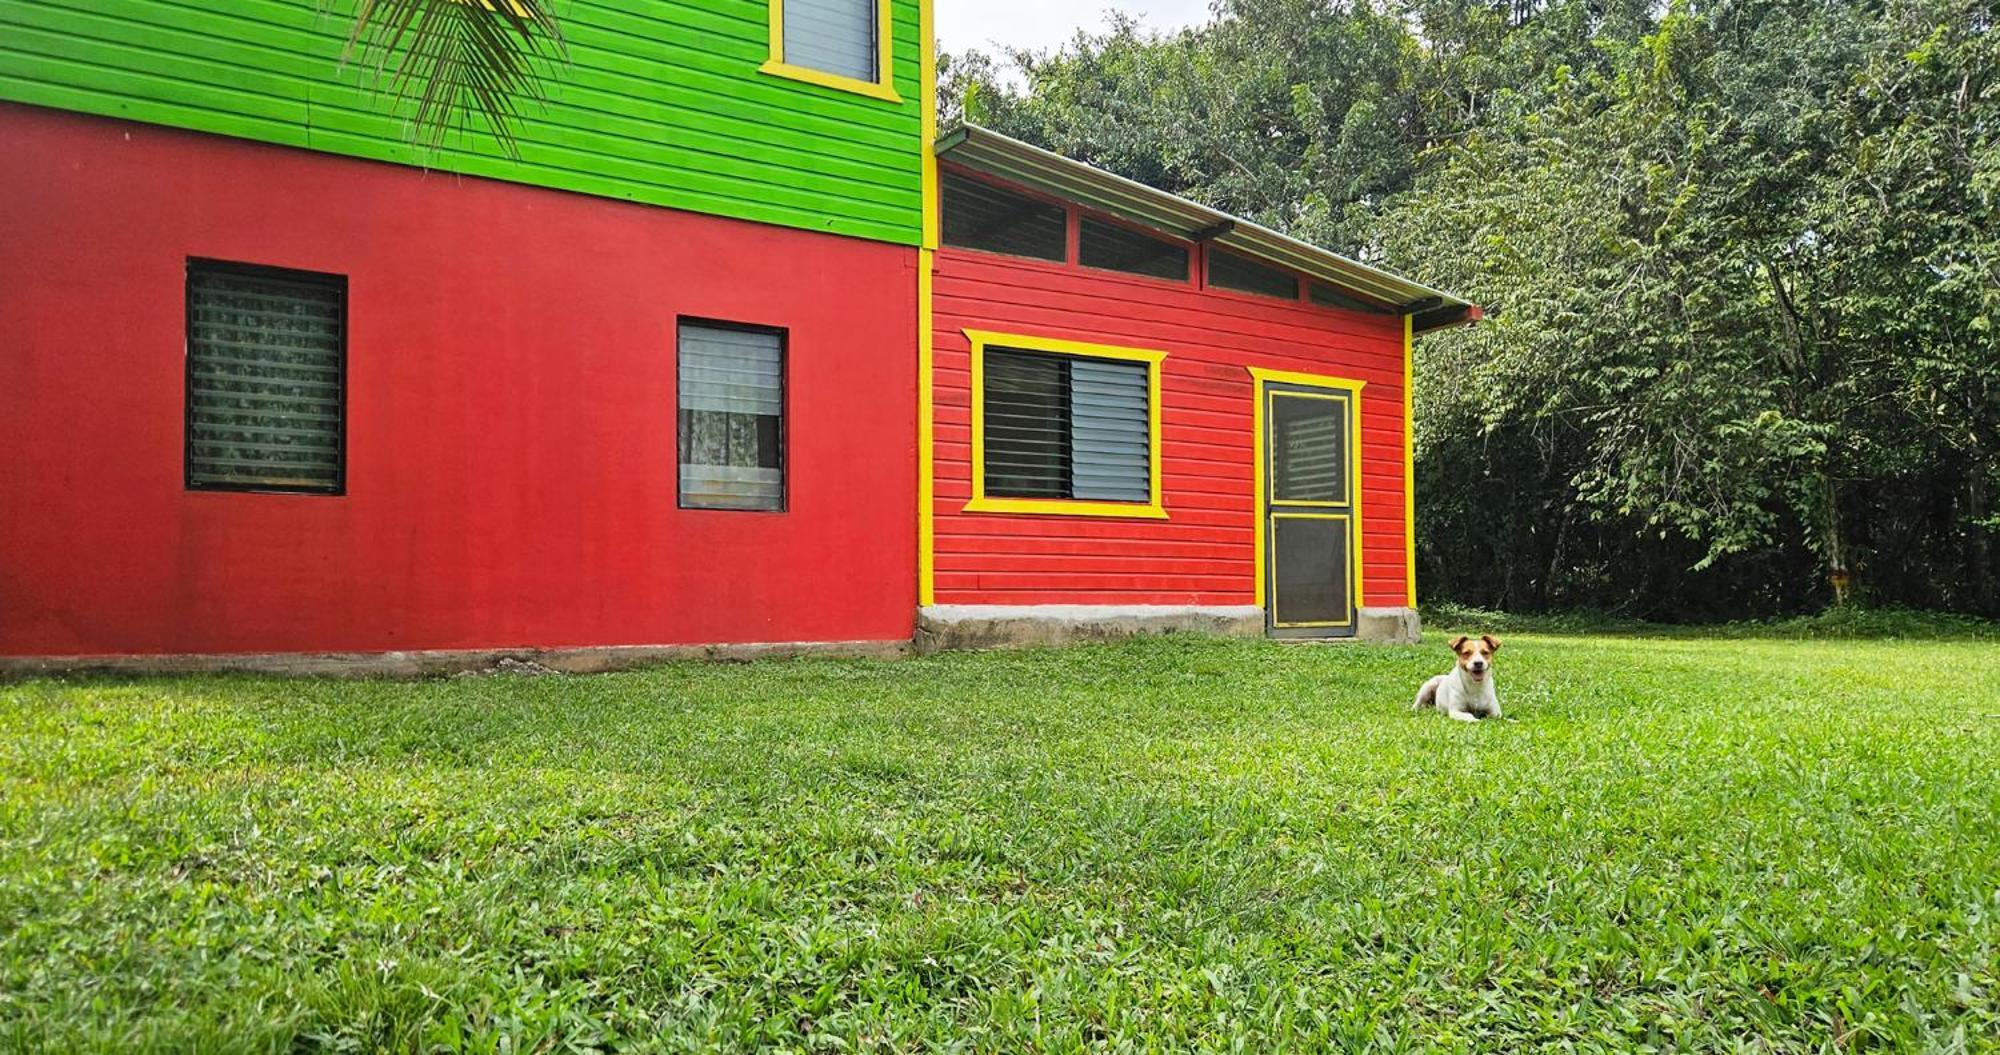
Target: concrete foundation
(946, 627)
(939, 628)
(975, 626)
(1389, 626)
(430, 664)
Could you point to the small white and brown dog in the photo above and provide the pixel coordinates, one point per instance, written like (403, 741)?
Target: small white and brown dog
(1466, 691)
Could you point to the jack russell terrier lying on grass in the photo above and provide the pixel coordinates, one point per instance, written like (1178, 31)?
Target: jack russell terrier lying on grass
(1466, 692)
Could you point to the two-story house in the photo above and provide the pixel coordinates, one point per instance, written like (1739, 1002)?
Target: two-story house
(729, 352)
(277, 381)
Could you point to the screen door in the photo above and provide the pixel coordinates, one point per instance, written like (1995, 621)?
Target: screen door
(1309, 510)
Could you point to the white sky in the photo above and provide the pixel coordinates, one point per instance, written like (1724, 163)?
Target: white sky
(983, 24)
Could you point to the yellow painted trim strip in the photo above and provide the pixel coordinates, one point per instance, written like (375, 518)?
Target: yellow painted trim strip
(926, 438)
(1409, 461)
(1288, 377)
(882, 87)
(830, 80)
(1260, 377)
(512, 5)
(926, 316)
(983, 503)
(1065, 507)
(776, 20)
(927, 81)
(1257, 483)
(1062, 346)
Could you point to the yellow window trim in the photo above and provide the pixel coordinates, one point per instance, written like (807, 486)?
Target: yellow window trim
(984, 503)
(1259, 378)
(512, 5)
(882, 87)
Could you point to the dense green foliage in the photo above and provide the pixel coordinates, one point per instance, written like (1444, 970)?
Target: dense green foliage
(1742, 260)
(1691, 843)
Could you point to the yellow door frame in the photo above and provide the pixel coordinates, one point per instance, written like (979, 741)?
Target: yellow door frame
(1260, 382)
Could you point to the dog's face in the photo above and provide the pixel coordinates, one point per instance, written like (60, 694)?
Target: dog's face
(1475, 655)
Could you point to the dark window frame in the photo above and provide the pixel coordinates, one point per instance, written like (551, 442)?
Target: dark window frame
(1208, 284)
(1189, 250)
(1067, 360)
(1201, 254)
(1068, 437)
(334, 281)
(1067, 243)
(1330, 297)
(784, 335)
(879, 38)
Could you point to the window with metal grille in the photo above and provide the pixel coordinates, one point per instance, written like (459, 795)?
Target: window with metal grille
(1329, 297)
(1062, 426)
(1116, 248)
(832, 36)
(979, 215)
(266, 379)
(1226, 270)
(732, 417)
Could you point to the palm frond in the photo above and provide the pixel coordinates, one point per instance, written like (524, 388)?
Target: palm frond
(458, 60)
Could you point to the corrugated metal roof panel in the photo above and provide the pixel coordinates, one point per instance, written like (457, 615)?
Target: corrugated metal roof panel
(984, 150)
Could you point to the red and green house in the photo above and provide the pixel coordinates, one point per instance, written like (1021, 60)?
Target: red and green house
(694, 366)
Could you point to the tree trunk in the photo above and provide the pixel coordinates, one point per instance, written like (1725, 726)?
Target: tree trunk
(1552, 574)
(1833, 543)
(1978, 507)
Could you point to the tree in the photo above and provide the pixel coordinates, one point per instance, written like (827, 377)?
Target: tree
(1773, 292)
(1741, 260)
(457, 60)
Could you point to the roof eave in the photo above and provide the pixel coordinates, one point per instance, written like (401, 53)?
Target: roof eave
(996, 154)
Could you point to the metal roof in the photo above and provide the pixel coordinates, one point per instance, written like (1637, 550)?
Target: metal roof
(987, 151)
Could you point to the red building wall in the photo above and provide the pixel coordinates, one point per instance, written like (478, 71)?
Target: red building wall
(511, 462)
(1204, 553)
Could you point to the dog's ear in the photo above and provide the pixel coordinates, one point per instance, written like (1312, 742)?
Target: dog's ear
(1458, 642)
(1492, 643)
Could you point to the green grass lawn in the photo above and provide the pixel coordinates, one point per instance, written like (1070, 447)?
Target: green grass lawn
(1703, 843)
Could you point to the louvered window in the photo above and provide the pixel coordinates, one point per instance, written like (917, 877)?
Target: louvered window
(1062, 426)
(732, 417)
(979, 215)
(1309, 444)
(832, 36)
(266, 379)
(1115, 248)
(1226, 270)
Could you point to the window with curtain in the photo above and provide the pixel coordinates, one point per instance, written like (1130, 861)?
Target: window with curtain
(832, 36)
(266, 379)
(732, 417)
(1066, 426)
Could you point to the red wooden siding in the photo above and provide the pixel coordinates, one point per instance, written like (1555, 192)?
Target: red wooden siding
(1204, 553)
(511, 456)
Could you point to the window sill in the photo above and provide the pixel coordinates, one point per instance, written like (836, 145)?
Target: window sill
(1066, 507)
(835, 81)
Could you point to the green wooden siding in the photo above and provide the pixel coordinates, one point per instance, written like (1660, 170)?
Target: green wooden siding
(661, 102)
